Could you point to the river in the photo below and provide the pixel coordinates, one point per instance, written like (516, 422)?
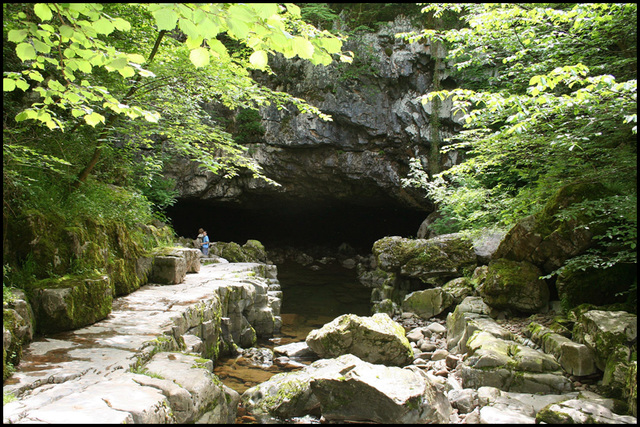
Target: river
(310, 299)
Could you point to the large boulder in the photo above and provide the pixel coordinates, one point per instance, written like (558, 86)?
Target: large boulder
(435, 260)
(349, 389)
(71, 302)
(581, 411)
(379, 394)
(375, 339)
(512, 285)
(251, 251)
(544, 240)
(471, 315)
(427, 303)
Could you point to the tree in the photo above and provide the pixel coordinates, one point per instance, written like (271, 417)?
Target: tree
(77, 61)
(549, 99)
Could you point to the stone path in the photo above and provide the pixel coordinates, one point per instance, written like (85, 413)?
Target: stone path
(83, 375)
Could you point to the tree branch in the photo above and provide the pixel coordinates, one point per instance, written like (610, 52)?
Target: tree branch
(111, 118)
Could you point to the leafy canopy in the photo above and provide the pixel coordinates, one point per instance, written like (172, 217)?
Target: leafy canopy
(550, 99)
(72, 39)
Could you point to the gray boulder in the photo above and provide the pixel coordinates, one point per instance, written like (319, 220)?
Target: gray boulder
(171, 265)
(427, 303)
(380, 394)
(375, 339)
(510, 366)
(195, 394)
(349, 389)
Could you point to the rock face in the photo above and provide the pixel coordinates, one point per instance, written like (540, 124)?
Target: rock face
(376, 339)
(378, 124)
(132, 367)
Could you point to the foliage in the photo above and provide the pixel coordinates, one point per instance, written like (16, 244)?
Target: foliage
(99, 97)
(549, 99)
(358, 17)
(77, 60)
(248, 127)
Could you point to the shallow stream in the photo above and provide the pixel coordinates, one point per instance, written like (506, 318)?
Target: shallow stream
(310, 299)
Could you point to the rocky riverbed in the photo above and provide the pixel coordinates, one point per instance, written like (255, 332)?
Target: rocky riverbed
(151, 361)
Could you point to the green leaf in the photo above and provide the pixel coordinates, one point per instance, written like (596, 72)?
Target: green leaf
(35, 75)
(188, 27)
(42, 11)
(22, 84)
(84, 66)
(193, 43)
(66, 31)
(331, 45)
(166, 19)
(303, 48)
(8, 85)
(293, 9)
(217, 47)
(199, 57)
(41, 47)
(118, 63)
(17, 36)
(25, 52)
(259, 59)
(265, 10)
(127, 72)
(103, 26)
(121, 24)
(93, 119)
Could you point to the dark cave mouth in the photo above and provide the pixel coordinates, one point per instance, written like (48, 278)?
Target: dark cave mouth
(295, 223)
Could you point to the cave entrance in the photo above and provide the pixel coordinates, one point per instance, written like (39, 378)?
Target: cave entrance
(296, 223)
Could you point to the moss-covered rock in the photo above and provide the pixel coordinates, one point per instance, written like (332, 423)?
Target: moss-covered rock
(375, 339)
(546, 242)
(18, 326)
(433, 261)
(255, 251)
(611, 336)
(70, 302)
(511, 285)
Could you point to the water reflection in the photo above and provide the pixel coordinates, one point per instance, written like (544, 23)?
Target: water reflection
(310, 299)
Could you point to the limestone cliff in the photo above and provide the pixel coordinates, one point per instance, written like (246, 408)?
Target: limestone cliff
(378, 124)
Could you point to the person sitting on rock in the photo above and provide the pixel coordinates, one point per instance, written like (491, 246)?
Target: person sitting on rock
(198, 242)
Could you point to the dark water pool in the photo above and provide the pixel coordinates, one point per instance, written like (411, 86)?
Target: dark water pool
(310, 299)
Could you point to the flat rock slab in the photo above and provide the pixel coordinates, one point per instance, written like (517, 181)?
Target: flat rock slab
(72, 371)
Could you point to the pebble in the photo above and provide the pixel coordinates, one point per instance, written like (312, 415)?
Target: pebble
(439, 354)
(428, 346)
